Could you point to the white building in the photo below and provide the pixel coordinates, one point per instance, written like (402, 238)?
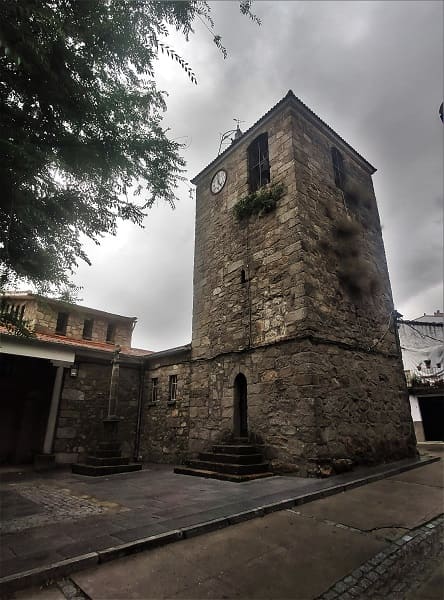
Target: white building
(422, 344)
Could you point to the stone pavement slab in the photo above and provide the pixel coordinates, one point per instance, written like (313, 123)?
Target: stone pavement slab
(264, 558)
(427, 475)
(384, 504)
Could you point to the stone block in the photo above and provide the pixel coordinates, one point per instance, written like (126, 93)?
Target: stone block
(71, 394)
(64, 433)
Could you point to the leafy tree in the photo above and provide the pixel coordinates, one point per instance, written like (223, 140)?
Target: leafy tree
(81, 136)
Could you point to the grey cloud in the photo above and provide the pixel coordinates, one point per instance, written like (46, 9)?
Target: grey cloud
(371, 70)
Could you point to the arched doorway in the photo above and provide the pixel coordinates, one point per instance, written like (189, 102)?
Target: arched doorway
(240, 412)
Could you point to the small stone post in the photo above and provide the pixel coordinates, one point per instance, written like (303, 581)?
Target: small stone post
(114, 385)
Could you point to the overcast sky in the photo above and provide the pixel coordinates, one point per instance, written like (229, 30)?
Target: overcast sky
(372, 70)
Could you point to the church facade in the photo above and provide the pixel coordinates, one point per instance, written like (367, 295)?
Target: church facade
(294, 341)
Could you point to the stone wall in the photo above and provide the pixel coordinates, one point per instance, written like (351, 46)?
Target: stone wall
(347, 293)
(83, 405)
(165, 424)
(229, 314)
(310, 404)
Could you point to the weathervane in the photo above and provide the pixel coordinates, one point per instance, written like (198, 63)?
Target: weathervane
(224, 137)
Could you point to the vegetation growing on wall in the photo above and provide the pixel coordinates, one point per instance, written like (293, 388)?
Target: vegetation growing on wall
(259, 203)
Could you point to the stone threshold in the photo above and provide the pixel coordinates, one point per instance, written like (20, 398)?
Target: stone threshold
(40, 575)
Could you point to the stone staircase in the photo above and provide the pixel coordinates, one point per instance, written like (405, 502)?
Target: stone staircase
(236, 460)
(107, 460)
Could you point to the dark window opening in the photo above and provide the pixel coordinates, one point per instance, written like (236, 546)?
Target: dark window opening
(338, 168)
(110, 333)
(154, 389)
(88, 329)
(428, 364)
(258, 163)
(62, 322)
(243, 276)
(172, 388)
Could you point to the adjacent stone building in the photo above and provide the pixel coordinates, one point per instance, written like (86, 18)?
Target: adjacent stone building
(294, 341)
(54, 385)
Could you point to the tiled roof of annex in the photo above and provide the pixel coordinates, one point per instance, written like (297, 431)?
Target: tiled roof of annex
(78, 344)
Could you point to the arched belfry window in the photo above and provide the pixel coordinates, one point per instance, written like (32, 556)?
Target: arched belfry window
(338, 168)
(258, 162)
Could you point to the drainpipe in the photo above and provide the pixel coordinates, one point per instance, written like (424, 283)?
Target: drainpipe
(139, 411)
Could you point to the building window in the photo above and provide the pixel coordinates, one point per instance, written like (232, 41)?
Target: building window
(258, 163)
(338, 168)
(154, 390)
(172, 388)
(110, 333)
(87, 329)
(62, 322)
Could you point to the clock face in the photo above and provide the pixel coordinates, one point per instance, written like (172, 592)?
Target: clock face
(218, 181)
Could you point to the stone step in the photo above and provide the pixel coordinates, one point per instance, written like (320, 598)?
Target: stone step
(96, 470)
(228, 468)
(234, 449)
(107, 453)
(107, 460)
(238, 459)
(221, 476)
(109, 447)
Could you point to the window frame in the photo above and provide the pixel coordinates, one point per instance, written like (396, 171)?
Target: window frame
(339, 172)
(154, 393)
(88, 325)
(259, 165)
(172, 388)
(62, 318)
(110, 338)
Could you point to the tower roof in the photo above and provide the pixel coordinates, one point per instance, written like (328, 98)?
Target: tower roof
(288, 99)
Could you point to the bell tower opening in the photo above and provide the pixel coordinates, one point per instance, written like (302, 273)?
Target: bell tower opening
(240, 412)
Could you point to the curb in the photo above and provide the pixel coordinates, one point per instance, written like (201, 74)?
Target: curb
(39, 575)
(63, 568)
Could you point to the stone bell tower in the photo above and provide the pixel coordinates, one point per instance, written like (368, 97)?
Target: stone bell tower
(294, 338)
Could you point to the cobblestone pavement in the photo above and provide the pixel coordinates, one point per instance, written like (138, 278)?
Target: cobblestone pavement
(47, 504)
(397, 570)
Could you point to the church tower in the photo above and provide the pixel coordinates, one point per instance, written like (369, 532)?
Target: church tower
(294, 337)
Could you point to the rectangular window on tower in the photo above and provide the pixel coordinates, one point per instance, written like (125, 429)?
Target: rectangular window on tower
(172, 388)
(338, 168)
(258, 163)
